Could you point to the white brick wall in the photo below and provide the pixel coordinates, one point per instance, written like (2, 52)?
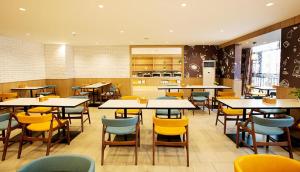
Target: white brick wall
(21, 60)
(101, 61)
(59, 61)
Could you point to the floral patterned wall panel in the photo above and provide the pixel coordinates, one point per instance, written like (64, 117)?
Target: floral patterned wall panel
(194, 56)
(290, 56)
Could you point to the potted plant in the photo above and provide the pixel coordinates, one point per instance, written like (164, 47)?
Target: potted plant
(296, 93)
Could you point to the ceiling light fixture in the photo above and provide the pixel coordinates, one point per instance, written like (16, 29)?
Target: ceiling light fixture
(183, 4)
(27, 34)
(74, 33)
(270, 4)
(121, 31)
(22, 9)
(171, 31)
(222, 30)
(100, 6)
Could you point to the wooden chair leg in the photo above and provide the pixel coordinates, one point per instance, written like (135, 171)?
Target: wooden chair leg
(267, 140)
(6, 140)
(237, 119)
(68, 133)
(187, 150)
(153, 147)
(217, 118)
(237, 141)
(21, 142)
(289, 143)
(3, 136)
(225, 122)
(49, 143)
(69, 117)
(88, 114)
(136, 145)
(81, 121)
(102, 147)
(254, 142)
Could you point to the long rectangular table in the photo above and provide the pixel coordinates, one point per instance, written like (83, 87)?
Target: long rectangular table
(250, 104)
(94, 88)
(29, 88)
(51, 102)
(192, 87)
(152, 104)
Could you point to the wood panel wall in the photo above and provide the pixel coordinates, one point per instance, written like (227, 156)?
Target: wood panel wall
(6, 87)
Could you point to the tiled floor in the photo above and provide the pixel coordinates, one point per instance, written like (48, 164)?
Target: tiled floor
(210, 149)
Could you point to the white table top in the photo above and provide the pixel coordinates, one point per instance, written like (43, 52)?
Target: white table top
(265, 88)
(29, 88)
(195, 87)
(97, 85)
(51, 102)
(259, 104)
(122, 104)
(170, 104)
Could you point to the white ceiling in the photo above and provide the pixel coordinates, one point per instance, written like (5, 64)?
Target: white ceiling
(262, 39)
(200, 22)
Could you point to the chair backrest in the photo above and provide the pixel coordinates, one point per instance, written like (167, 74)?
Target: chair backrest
(60, 163)
(52, 96)
(120, 122)
(274, 122)
(129, 97)
(226, 93)
(263, 163)
(76, 88)
(170, 122)
(51, 86)
(4, 117)
(175, 94)
(166, 98)
(30, 119)
(200, 94)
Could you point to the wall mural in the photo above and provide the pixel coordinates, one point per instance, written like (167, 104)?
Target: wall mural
(194, 56)
(290, 56)
(226, 62)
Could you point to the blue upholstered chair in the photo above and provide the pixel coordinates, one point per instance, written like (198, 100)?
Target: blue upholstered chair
(269, 127)
(5, 120)
(123, 127)
(66, 163)
(79, 111)
(200, 98)
(78, 92)
(48, 90)
(164, 112)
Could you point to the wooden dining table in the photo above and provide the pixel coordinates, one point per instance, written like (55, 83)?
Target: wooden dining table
(95, 87)
(30, 89)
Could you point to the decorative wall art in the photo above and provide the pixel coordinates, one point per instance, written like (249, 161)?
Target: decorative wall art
(194, 56)
(290, 56)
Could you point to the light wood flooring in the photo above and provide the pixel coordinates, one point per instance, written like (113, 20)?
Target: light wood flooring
(210, 149)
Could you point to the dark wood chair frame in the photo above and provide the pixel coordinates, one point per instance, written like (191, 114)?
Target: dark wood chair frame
(81, 116)
(110, 142)
(204, 104)
(243, 127)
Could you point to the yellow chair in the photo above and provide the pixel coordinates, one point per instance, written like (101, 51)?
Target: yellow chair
(228, 113)
(171, 127)
(43, 110)
(40, 123)
(130, 111)
(8, 96)
(178, 95)
(265, 163)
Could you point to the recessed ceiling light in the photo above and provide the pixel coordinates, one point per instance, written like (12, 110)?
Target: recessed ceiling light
(270, 4)
(221, 30)
(27, 34)
(121, 31)
(171, 31)
(100, 6)
(166, 42)
(146, 38)
(74, 33)
(183, 4)
(22, 9)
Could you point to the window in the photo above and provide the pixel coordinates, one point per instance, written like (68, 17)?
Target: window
(266, 64)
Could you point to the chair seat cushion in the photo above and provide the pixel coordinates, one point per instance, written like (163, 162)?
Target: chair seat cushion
(45, 93)
(75, 110)
(4, 124)
(260, 129)
(199, 98)
(129, 111)
(44, 126)
(84, 93)
(165, 112)
(121, 130)
(170, 131)
(273, 111)
(40, 110)
(229, 111)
